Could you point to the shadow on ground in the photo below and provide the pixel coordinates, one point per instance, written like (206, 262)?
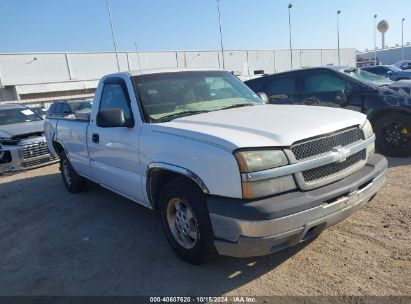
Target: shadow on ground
(98, 243)
(398, 161)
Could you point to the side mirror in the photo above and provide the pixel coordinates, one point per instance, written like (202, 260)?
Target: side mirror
(342, 98)
(389, 72)
(263, 97)
(112, 118)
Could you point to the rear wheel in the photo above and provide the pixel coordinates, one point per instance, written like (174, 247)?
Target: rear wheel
(74, 183)
(393, 133)
(185, 220)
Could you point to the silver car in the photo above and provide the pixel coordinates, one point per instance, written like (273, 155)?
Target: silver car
(22, 141)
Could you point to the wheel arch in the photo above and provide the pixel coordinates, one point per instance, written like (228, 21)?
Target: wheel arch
(58, 147)
(377, 114)
(159, 173)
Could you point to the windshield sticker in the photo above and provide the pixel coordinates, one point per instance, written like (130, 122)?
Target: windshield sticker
(27, 112)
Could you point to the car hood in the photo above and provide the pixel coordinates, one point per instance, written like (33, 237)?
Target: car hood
(260, 126)
(402, 84)
(403, 73)
(8, 131)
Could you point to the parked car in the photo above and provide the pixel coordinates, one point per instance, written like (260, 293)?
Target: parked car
(403, 65)
(22, 141)
(388, 107)
(364, 76)
(225, 170)
(389, 71)
(69, 108)
(40, 110)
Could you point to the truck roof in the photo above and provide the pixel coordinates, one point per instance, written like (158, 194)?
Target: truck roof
(163, 70)
(7, 106)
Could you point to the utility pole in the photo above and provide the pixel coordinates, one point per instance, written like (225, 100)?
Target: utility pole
(289, 26)
(338, 37)
(375, 40)
(402, 38)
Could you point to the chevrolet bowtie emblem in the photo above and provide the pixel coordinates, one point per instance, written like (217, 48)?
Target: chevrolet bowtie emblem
(341, 154)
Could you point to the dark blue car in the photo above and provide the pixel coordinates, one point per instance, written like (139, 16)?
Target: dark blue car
(389, 71)
(388, 108)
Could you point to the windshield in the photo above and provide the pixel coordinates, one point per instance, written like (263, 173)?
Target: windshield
(84, 106)
(17, 115)
(367, 77)
(166, 96)
(394, 68)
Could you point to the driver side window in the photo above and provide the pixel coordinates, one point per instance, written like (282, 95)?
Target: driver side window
(323, 82)
(114, 96)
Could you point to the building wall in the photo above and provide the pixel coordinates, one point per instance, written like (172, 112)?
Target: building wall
(386, 56)
(30, 73)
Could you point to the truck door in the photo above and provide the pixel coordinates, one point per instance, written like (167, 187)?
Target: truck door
(113, 151)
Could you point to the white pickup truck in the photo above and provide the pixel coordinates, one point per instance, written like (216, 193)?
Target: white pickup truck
(226, 171)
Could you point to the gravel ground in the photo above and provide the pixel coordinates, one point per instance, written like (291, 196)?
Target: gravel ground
(98, 243)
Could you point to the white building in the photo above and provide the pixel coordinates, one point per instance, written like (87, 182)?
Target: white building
(43, 77)
(386, 56)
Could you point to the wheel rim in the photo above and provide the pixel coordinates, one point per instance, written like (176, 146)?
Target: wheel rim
(66, 171)
(182, 223)
(395, 135)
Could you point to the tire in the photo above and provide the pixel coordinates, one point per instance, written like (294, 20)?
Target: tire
(74, 183)
(191, 237)
(393, 132)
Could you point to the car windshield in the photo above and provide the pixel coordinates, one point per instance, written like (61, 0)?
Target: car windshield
(17, 115)
(84, 106)
(166, 96)
(367, 77)
(394, 68)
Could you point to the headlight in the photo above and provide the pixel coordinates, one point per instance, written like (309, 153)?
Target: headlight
(367, 129)
(268, 187)
(258, 160)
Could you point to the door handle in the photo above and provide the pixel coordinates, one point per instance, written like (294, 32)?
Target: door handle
(311, 100)
(95, 138)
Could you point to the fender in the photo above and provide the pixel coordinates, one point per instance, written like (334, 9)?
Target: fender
(174, 169)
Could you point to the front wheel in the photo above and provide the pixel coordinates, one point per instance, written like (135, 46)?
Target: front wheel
(393, 132)
(185, 220)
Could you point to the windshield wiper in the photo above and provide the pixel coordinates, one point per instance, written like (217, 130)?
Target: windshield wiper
(238, 106)
(179, 114)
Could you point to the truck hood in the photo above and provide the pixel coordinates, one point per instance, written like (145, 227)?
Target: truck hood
(260, 126)
(9, 131)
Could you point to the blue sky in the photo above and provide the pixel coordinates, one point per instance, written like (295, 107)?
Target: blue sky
(82, 25)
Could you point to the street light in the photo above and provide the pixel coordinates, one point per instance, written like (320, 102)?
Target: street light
(221, 32)
(112, 33)
(338, 37)
(402, 38)
(289, 25)
(375, 41)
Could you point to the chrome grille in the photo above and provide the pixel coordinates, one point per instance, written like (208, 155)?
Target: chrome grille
(34, 148)
(37, 162)
(333, 168)
(327, 143)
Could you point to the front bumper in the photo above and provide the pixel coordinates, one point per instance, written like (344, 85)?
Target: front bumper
(252, 228)
(18, 162)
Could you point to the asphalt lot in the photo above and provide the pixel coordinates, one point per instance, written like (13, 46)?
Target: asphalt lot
(98, 243)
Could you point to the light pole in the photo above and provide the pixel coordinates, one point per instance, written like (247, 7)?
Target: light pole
(375, 41)
(112, 33)
(289, 25)
(221, 32)
(402, 38)
(338, 37)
